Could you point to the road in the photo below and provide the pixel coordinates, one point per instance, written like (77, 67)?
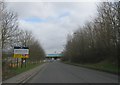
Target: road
(57, 72)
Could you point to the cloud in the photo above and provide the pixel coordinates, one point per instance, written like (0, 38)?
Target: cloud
(50, 22)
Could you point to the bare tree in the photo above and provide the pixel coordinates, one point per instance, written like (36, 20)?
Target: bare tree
(25, 38)
(1, 14)
(9, 26)
(97, 40)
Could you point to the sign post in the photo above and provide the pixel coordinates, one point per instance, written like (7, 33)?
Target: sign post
(17, 62)
(21, 52)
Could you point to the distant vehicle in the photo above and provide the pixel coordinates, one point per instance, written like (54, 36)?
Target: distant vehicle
(58, 59)
(44, 60)
(53, 59)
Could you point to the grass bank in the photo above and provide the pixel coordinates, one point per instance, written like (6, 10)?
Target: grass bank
(15, 71)
(101, 66)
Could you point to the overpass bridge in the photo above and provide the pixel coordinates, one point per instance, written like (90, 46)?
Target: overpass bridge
(54, 56)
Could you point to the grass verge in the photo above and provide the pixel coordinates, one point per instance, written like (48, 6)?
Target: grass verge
(15, 71)
(102, 66)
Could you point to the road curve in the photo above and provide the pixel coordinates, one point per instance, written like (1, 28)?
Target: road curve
(57, 72)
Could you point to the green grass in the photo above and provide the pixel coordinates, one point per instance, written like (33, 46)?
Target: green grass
(15, 71)
(23, 69)
(102, 66)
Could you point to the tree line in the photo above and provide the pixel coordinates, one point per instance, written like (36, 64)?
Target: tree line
(12, 35)
(98, 39)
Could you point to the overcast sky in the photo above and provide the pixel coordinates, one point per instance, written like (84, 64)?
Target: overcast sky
(51, 22)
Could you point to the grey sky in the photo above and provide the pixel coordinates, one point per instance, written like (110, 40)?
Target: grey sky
(51, 22)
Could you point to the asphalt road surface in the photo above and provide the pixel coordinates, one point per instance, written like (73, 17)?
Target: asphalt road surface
(57, 72)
